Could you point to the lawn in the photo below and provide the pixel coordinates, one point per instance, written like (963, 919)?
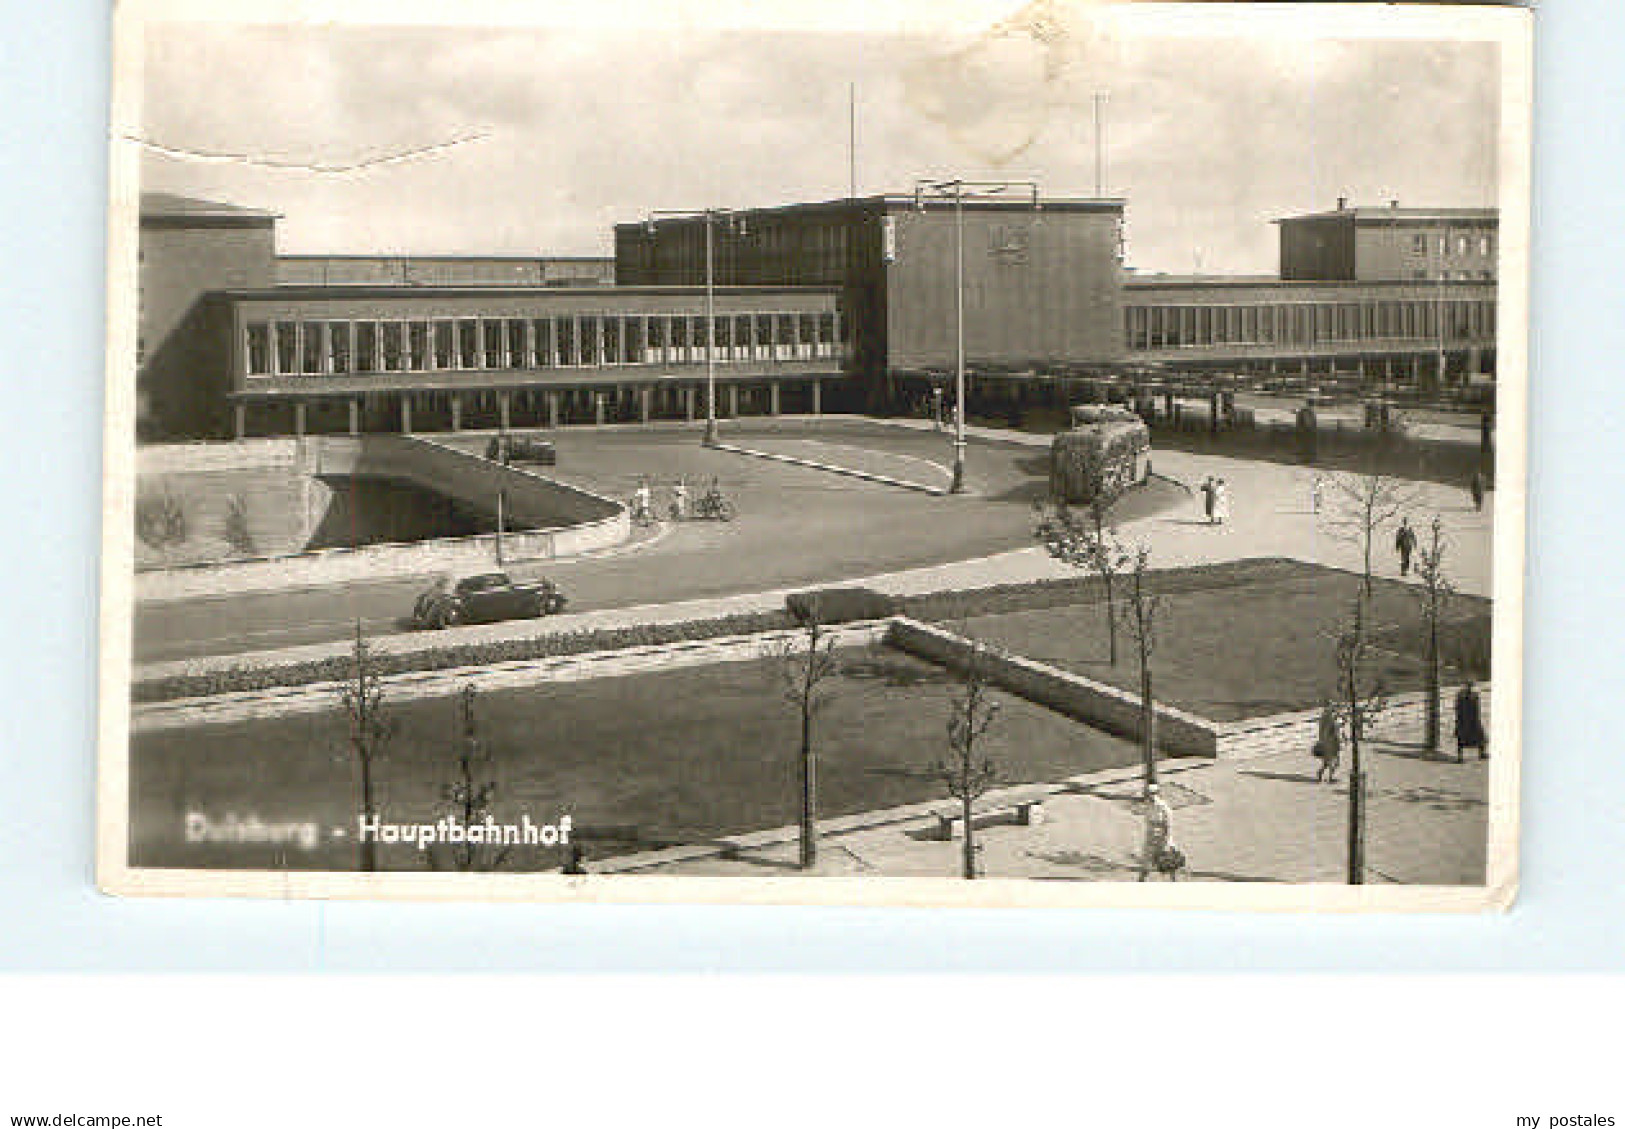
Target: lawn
(1246, 645)
(672, 756)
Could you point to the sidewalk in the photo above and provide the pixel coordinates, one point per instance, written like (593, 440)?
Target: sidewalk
(1260, 820)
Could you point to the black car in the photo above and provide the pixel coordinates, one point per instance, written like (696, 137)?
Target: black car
(487, 598)
(521, 449)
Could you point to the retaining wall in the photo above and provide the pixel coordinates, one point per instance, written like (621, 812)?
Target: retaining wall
(1402, 719)
(1084, 699)
(591, 522)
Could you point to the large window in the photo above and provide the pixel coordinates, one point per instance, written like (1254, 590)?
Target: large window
(366, 347)
(468, 343)
(491, 331)
(394, 351)
(417, 346)
(542, 329)
(338, 335)
(259, 348)
(567, 341)
(445, 344)
(517, 353)
(310, 351)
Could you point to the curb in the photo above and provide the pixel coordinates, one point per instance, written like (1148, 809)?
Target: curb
(868, 476)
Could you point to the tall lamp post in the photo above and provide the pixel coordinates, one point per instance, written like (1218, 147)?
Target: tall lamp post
(736, 223)
(956, 190)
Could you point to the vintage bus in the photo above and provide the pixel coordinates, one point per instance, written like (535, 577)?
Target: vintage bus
(1108, 449)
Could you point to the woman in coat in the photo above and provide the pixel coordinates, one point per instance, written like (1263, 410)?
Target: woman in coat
(1470, 723)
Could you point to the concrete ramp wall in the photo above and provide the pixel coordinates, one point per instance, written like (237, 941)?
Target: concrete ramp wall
(558, 520)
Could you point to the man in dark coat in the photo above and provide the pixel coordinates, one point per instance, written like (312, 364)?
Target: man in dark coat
(1405, 545)
(1476, 488)
(1470, 723)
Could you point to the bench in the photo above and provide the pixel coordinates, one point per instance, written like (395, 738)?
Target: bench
(1023, 812)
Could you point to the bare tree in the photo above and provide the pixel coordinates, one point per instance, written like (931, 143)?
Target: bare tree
(235, 529)
(1363, 505)
(1086, 542)
(1435, 593)
(1141, 608)
(160, 520)
(468, 798)
(1361, 701)
(362, 698)
(806, 663)
(967, 775)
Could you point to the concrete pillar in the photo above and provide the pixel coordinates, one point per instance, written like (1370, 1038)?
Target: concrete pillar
(299, 418)
(355, 417)
(688, 402)
(643, 403)
(552, 409)
(406, 415)
(240, 418)
(456, 413)
(505, 409)
(598, 408)
(818, 397)
(733, 401)
(773, 398)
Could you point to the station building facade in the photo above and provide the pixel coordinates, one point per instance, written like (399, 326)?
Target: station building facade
(840, 305)
(232, 345)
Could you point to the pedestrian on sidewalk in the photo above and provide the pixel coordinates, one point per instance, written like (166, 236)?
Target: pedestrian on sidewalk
(1315, 491)
(1476, 489)
(1158, 852)
(679, 500)
(1405, 545)
(1208, 498)
(1328, 745)
(1470, 723)
(1221, 501)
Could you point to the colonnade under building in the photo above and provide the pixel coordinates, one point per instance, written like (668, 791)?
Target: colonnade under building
(520, 407)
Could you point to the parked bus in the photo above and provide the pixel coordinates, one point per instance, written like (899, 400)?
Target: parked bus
(1108, 449)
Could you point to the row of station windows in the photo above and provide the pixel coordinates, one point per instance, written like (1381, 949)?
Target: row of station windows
(322, 348)
(1177, 327)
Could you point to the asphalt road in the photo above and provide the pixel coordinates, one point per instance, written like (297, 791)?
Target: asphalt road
(796, 526)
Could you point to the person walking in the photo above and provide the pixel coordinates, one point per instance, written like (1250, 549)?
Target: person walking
(1476, 489)
(1328, 745)
(679, 500)
(1316, 488)
(1209, 498)
(1157, 851)
(1470, 723)
(1405, 545)
(1221, 501)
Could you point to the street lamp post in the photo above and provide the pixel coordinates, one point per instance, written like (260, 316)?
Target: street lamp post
(957, 188)
(710, 216)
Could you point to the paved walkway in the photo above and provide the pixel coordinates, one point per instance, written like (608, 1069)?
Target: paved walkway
(1259, 820)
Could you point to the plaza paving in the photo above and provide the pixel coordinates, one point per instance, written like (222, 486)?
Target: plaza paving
(1259, 820)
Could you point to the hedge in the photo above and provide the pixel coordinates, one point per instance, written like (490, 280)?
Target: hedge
(840, 605)
(336, 668)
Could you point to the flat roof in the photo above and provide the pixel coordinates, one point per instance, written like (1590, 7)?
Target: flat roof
(168, 205)
(1015, 201)
(1240, 282)
(349, 292)
(399, 256)
(1389, 214)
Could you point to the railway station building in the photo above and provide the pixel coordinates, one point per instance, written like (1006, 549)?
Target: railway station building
(845, 305)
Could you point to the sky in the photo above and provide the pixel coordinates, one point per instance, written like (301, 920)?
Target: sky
(391, 139)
